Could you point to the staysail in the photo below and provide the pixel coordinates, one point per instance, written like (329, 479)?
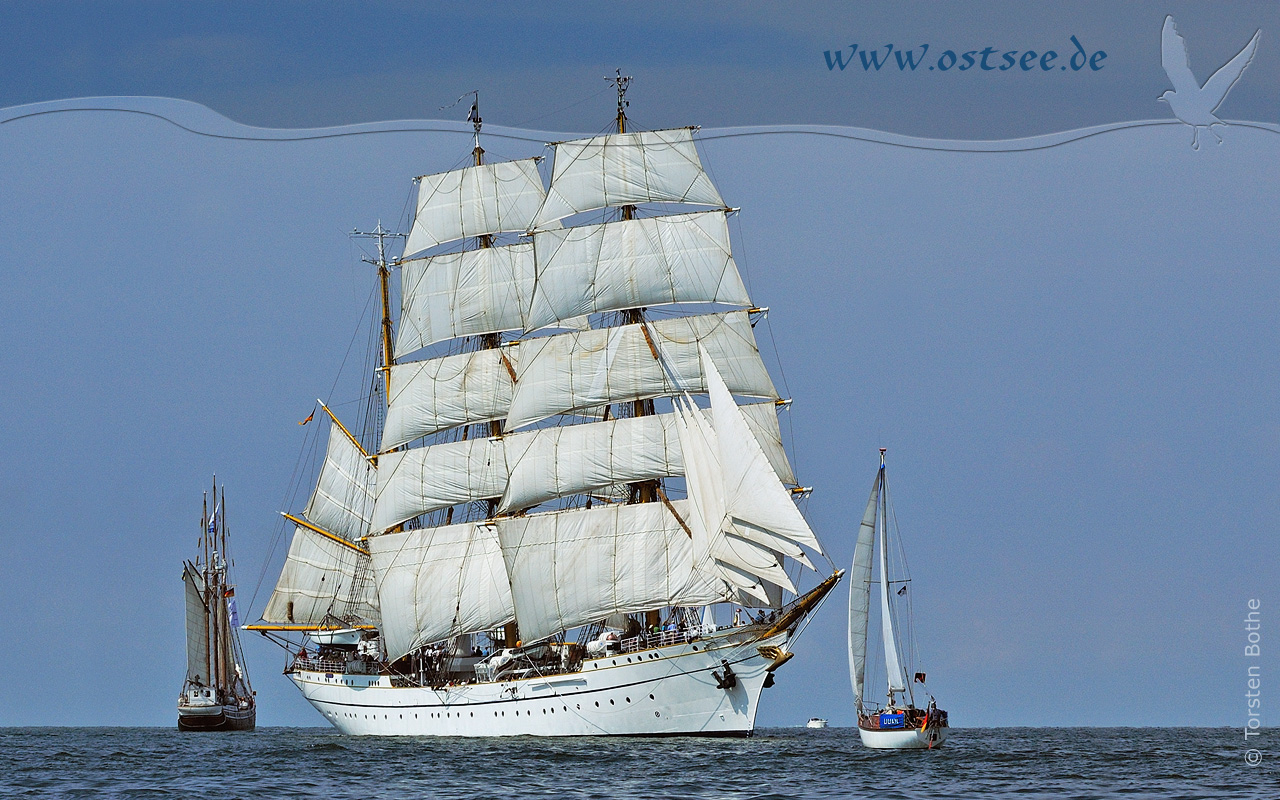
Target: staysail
(892, 659)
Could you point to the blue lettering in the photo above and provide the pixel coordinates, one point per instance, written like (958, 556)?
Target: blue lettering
(1079, 53)
(1095, 60)
(909, 57)
(968, 60)
(1010, 59)
(1026, 62)
(985, 53)
(943, 58)
(1047, 59)
(870, 57)
(839, 59)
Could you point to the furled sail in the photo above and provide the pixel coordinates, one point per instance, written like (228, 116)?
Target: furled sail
(441, 393)
(343, 500)
(322, 577)
(464, 294)
(436, 583)
(412, 482)
(197, 626)
(860, 592)
(555, 462)
(475, 201)
(623, 169)
(572, 371)
(570, 568)
(683, 258)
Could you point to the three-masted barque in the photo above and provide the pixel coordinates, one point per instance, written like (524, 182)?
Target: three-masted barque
(562, 490)
(216, 695)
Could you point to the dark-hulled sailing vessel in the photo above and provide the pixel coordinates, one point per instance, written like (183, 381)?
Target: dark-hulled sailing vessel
(216, 695)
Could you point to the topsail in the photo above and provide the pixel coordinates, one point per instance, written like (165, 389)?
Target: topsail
(475, 201)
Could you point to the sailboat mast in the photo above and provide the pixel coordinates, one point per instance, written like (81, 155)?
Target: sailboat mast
(892, 659)
(643, 491)
(204, 586)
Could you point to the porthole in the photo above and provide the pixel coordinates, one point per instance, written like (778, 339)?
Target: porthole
(628, 699)
(597, 704)
(628, 659)
(650, 697)
(657, 713)
(610, 701)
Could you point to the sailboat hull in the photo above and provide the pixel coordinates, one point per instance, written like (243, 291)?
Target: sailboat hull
(660, 692)
(216, 718)
(903, 739)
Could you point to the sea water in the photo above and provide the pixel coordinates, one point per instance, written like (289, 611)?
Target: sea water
(775, 763)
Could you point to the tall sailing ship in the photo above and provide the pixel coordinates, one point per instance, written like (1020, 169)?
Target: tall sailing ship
(216, 695)
(556, 491)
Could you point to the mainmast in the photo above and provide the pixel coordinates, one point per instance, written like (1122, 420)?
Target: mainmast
(643, 491)
(380, 235)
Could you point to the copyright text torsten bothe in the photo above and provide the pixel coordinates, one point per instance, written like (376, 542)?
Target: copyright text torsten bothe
(1253, 681)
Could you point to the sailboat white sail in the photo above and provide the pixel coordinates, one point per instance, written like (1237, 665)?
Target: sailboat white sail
(524, 493)
(898, 724)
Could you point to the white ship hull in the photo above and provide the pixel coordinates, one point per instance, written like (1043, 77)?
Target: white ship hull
(903, 739)
(664, 691)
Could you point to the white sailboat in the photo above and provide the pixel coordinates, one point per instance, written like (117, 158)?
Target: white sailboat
(508, 553)
(898, 724)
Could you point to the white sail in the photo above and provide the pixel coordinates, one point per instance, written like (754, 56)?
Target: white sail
(571, 568)
(343, 500)
(412, 482)
(197, 626)
(436, 583)
(572, 371)
(892, 660)
(441, 393)
(555, 462)
(623, 169)
(464, 294)
(753, 493)
(860, 592)
(475, 201)
(586, 269)
(321, 577)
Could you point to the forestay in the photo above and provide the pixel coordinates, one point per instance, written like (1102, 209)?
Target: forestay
(573, 371)
(684, 258)
(571, 568)
(464, 294)
(343, 500)
(475, 201)
(321, 577)
(623, 169)
(436, 583)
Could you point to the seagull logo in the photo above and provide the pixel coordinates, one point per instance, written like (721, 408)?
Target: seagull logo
(1192, 103)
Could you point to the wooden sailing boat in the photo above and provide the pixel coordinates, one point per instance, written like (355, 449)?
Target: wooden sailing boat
(505, 547)
(216, 695)
(899, 724)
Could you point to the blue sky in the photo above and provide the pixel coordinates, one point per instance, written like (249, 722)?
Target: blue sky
(1070, 352)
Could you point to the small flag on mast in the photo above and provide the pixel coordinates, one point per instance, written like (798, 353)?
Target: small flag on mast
(903, 590)
(919, 677)
(310, 417)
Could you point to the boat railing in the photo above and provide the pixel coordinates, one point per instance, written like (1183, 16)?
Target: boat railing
(310, 664)
(648, 641)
